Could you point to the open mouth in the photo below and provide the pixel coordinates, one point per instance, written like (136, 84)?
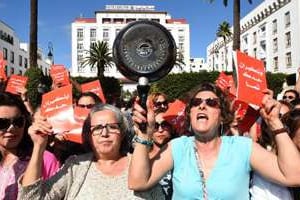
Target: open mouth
(202, 116)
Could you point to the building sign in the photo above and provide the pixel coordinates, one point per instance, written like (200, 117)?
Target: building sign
(130, 7)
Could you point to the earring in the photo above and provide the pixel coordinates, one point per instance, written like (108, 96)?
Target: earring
(222, 129)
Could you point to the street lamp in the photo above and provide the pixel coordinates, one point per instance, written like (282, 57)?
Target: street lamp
(50, 53)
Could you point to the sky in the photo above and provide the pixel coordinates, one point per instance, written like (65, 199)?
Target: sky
(55, 18)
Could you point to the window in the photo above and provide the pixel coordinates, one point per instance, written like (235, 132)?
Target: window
(12, 70)
(12, 57)
(275, 63)
(288, 39)
(288, 59)
(245, 40)
(287, 19)
(274, 27)
(181, 38)
(5, 53)
(20, 72)
(254, 38)
(275, 45)
(26, 63)
(93, 33)
(80, 34)
(105, 33)
(79, 46)
(20, 60)
(255, 52)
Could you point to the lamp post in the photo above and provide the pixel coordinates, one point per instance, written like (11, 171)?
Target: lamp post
(50, 53)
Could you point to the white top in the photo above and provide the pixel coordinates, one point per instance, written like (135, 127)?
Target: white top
(262, 189)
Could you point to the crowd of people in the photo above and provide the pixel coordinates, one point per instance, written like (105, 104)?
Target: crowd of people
(212, 159)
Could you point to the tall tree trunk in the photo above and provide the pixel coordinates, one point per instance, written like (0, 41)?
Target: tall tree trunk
(236, 25)
(100, 70)
(33, 33)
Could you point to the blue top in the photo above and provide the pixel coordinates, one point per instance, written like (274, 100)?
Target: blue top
(229, 178)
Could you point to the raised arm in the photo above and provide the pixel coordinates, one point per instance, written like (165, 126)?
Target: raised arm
(143, 172)
(39, 132)
(283, 168)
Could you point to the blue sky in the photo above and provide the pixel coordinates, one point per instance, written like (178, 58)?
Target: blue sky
(56, 16)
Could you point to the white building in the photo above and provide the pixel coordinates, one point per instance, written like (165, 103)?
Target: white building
(198, 64)
(16, 54)
(106, 25)
(270, 32)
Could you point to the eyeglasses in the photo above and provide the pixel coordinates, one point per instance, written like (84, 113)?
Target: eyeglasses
(160, 103)
(288, 97)
(164, 125)
(5, 123)
(88, 106)
(110, 128)
(211, 102)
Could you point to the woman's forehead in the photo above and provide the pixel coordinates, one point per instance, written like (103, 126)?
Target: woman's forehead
(206, 94)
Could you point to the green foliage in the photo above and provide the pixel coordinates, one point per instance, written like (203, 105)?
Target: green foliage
(275, 82)
(178, 85)
(35, 76)
(111, 87)
(99, 56)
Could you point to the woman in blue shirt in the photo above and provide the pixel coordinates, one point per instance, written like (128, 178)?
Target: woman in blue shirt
(210, 166)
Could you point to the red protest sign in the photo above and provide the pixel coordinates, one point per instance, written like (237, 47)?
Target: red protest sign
(15, 82)
(59, 75)
(251, 79)
(2, 68)
(223, 82)
(94, 87)
(175, 115)
(57, 107)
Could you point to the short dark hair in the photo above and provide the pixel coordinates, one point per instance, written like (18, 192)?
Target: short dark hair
(90, 94)
(226, 113)
(122, 120)
(25, 146)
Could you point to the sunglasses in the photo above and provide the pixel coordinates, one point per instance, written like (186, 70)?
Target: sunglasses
(160, 103)
(288, 97)
(5, 123)
(164, 125)
(211, 102)
(88, 106)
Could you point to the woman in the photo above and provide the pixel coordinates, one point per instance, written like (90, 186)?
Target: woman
(160, 102)
(163, 133)
(100, 174)
(262, 188)
(16, 146)
(88, 100)
(207, 166)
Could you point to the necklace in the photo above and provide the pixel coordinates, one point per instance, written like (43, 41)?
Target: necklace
(201, 173)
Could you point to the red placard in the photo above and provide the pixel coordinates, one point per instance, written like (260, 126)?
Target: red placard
(94, 87)
(223, 82)
(175, 115)
(57, 108)
(15, 82)
(251, 79)
(3, 76)
(59, 75)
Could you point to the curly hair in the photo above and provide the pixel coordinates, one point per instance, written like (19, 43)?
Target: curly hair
(25, 146)
(226, 113)
(122, 120)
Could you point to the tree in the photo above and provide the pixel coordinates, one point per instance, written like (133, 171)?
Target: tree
(98, 56)
(236, 22)
(224, 32)
(33, 41)
(179, 62)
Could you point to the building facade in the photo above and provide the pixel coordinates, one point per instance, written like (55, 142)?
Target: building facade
(270, 32)
(106, 25)
(16, 54)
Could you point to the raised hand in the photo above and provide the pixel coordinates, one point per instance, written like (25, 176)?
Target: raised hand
(39, 131)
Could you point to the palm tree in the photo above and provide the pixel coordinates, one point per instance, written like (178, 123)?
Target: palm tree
(236, 22)
(33, 33)
(224, 32)
(179, 62)
(99, 56)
